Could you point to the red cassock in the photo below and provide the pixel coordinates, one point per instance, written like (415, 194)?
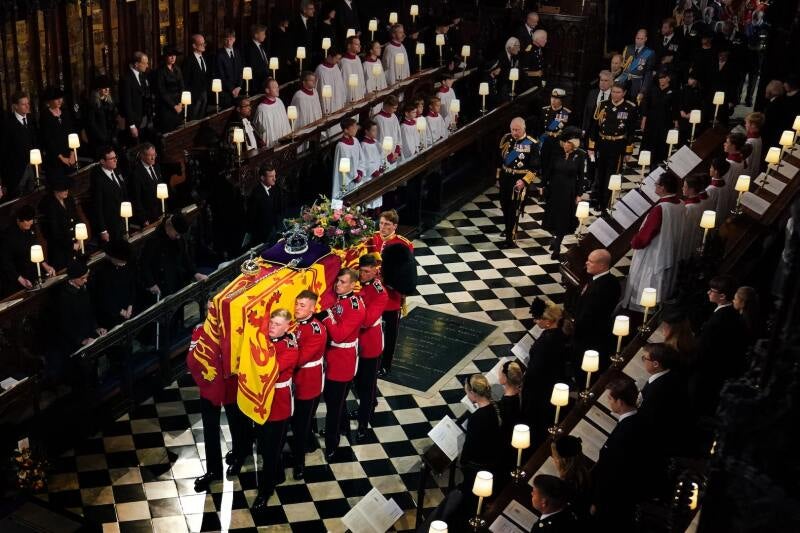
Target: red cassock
(312, 337)
(287, 354)
(344, 323)
(370, 340)
(205, 365)
(377, 244)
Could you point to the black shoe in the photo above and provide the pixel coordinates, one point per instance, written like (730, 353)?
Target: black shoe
(297, 473)
(383, 372)
(334, 456)
(234, 468)
(362, 435)
(260, 503)
(502, 234)
(353, 414)
(202, 483)
(281, 477)
(312, 445)
(229, 458)
(555, 255)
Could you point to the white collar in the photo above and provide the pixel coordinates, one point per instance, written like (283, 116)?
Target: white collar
(256, 42)
(198, 56)
(721, 306)
(626, 415)
(305, 18)
(600, 275)
(19, 117)
(657, 375)
(229, 50)
(110, 173)
(546, 515)
(135, 72)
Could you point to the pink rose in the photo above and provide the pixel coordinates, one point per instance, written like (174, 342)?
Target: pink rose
(319, 232)
(348, 217)
(339, 232)
(352, 222)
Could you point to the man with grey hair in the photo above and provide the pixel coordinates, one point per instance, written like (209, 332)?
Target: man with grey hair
(197, 77)
(518, 167)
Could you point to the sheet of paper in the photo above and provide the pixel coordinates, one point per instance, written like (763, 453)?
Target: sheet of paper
(604, 400)
(448, 437)
(9, 303)
(787, 169)
(471, 407)
(548, 467)
(624, 215)
(684, 161)
(8, 383)
(604, 233)
(636, 370)
(520, 514)
(504, 525)
(593, 439)
(522, 348)
(654, 175)
(755, 203)
(599, 417)
(636, 202)
(649, 189)
(536, 331)
(773, 184)
(493, 377)
(658, 335)
(372, 514)
(337, 203)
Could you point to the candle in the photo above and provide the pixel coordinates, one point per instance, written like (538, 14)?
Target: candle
(414, 11)
(647, 300)
(644, 158)
(238, 139)
(672, 140)
(420, 52)
(693, 497)
(350, 33)
(37, 254)
(743, 183)
(465, 52)
(247, 75)
(421, 124)
(301, 52)
(773, 156)
(787, 139)
(126, 212)
(36, 157)
(372, 25)
(707, 221)
(483, 90)
(620, 329)
(694, 116)
(590, 364)
(162, 193)
(291, 112)
(327, 94)
(216, 85)
(274, 64)
(377, 70)
(482, 487)
(719, 98)
(326, 43)
(796, 124)
(344, 169)
(73, 141)
(387, 145)
(438, 526)
(440, 39)
(81, 234)
(399, 59)
(614, 185)
(521, 440)
(513, 76)
(559, 397)
(186, 98)
(352, 80)
(582, 210)
(393, 17)
(455, 106)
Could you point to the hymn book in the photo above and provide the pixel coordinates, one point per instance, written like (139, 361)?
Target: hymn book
(373, 514)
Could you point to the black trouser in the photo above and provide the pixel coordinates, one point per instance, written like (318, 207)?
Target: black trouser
(199, 105)
(271, 437)
(304, 411)
(240, 438)
(507, 203)
(391, 325)
(366, 383)
(555, 244)
(335, 394)
(610, 158)
(242, 435)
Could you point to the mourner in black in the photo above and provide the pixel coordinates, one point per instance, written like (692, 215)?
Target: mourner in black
(518, 167)
(229, 69)
(56, 124)
(145, 177)
(562, 187)
(265, 208)
(254, 54)
(108, 191)
(114, 285)
(303, 29)
(136, 98)
(166, 265)
(347, 18)
(660, 112)
(550, 496)
(169, 86)
(480, 450)
(197, 77)
(18, 272)
(510, 377)
(18, 138)
(101, 117)
(76, 320)
(57, 218)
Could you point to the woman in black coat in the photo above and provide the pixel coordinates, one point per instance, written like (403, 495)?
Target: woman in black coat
(546, 367)
(562, 183)
(169, 86)
(480, 450)
(55, 124)
(101, 117)
(58, 219)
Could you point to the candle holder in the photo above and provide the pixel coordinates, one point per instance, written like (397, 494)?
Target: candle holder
(372, 27)
(238, 139)
(274, 64)
(672, 140)
(719, 99)
(81, 234)
(186, 100)
(36, 160)
(707, 222)
(520, 439)
(621, 329)
(559, 398)
(647, 301)
(162, 193)
(455, 109)
(482, 488)
(614, 185)
(694, 120)
(344, 170)
(420, 52)
(440, 44)
(74, 142)
(742, 186)
(590, 364)
(483, 91)
(37, 256)
(644, 162)
(465, 53)
(513, 76)
(126, 212)
(216, 88)
(581, 213)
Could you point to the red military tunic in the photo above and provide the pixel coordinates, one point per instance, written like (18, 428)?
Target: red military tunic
(377, 244)
(344, 323)
(287, 354)
(205, 365)
(311, 339)
(370, 340)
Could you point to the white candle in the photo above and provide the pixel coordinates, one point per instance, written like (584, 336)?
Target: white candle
(420, 49)
(438, 526)
(644, 158)
(465, 51)
(352, 80)
(377, 70)
(483, 484)
(393, 17)
(615, 182)
(301, 52)
(483, 88)
(344, 165)
(796, 124)
(648, 298)
(421, 124)
(350, 33)
(513, 74)
(162, 193)
(238, 135)
(719, 98)
(247, 73)
(186, 98)
(621, 326)
(672, 137)
(372, 25)
(399, 59)
(591, 361)
(773, 156)
(743, 183)
(694, 116)
(36, 157)
(37, 254)
(291, 112)
(708, 220)
(326, 43)
(582, 210)
(73, 141)
(387, 145)
(455, 106)
(274, 63)
(216, 85)
(125, 210)
(787, 139)
(440, 39)
(414, 11)
(81, 234)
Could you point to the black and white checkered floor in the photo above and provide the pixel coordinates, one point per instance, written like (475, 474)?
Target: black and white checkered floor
(138, 474)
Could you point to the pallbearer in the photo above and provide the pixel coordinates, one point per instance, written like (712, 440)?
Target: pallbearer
(370, 341)
(312, 336)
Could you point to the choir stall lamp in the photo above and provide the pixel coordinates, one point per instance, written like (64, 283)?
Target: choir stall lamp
(291, 114)
(327, 95)
(672, 140)
(350, 33)
(521, 440)
(377, 70)
(81, 234)
(126, 212)
(36, 160)
(707, 221)
(414, 12)
(387, 145)
(482, 488)
(513, 77)
(344, 170)
(438, 526)
(581, 213)
(300, 55)
(719, 99)
(74, 142)
(247, 75)
(440, 44)
(559, 398)
(773, 158)
(238, 139)
(614, 185)
(352, 84)
(274, 64)
(455, 109)
(186, 100)
(399, 61)
(644, 161)
(37, 256)
(216, 88)
(694, 120)
(622, 328)
(162, 193)
(483, 90)
(421, 127)
(372, 26)
(326, 44)
(796, 128)
(786, 141)
(420, 52)
(647, 300)
(465, 53)
(589, 364)
(393, 17)
(742, 186)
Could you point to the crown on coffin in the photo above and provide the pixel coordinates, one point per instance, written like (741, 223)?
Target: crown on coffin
(295, 241)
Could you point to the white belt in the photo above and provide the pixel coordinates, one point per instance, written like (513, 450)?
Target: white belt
(283, 384)
(312, 364)
(377, 323)
(344, 344)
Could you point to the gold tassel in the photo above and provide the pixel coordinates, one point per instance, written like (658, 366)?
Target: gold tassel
(403, 308)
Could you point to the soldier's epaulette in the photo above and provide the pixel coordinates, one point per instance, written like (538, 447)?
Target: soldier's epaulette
(533, 139)
(291, 340)
(378, 286)
(354, 301)
(400, 237)
(630, 102)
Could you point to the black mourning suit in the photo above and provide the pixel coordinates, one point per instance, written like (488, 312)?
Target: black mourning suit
(229, 70)
(17, 143)
(594, 317)
(563, 521)
(264, 213)
(198, 82)
(107, 194)
(135, 96)
(546, 367)
(255, 56)
(666, 414)
(15, 258)
(142, 189)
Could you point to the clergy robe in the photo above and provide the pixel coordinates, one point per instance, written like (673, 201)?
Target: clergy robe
(714, 191)
(331, 75)
(727, 198)
(693, 233)
(270, 121)
(389, 126)
(351, 64)
(754, 159)
(373, 82)
(395, 73)
(347, 147)
(409, 138)
(656, 249)
(371, 159)
(437, 128)
(308, 110)
(446, 95)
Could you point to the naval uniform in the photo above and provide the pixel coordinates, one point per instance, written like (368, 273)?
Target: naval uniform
(519, 160)
(370, 348)
(611, 136)
(308, 377)
(553, 121)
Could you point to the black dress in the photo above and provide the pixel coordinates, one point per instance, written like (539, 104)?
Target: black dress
(113, 287)
(661, 109)
(58, 227)
(169, 86)
(101, 124)
(562, 186)
(54, 131)
(546, 367)
(511, 415)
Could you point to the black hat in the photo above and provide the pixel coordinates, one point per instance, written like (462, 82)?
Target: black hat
(367, 260)
(571, 132)
(101, 82)
(171, 50)
(179, 223)
(61, 183)
(538, 307)
(119, 249)
(568, 446)
(399, 268)
(76, 269)
(26, 212)
(52, 93)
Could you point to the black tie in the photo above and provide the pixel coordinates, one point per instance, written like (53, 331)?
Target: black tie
(231, 55)
(263, 54)
(25, 121)
(153, 175)
(202, 64)
(114, 178)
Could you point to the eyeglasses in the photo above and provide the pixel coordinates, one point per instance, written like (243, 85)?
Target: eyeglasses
(713, 290)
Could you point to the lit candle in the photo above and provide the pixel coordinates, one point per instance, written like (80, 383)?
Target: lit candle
(372, 26)
(301, 55)
(350, 33)
(81, 234)
(414, 11)
(465, 51)
(614, 185)
(36, 160)
(291, 114)
(216, 88)
(693, 497)
(644, 161)
(274, 64)
(420, 52)
(513, 76)
(707, 221)
(126, 212)
(421, 124)
(344, 170)
(694, 120)
(326, 43)
(581, 213)
(590, 364)
(559, 397)
(719, 99)
(482, 487)
(521, 440)
(387, 145)
(186, 100)
(327, 94)
(438, 526)
(238, 139)
(483, 90)
(621, 329)
(455, 109)
(393, 17)
(74, 142)
(773, 157)
(162, 193)
(247, 75)
(672, 140)
(37, 256)
(742, 186)
(787, 139)
(647, 300)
